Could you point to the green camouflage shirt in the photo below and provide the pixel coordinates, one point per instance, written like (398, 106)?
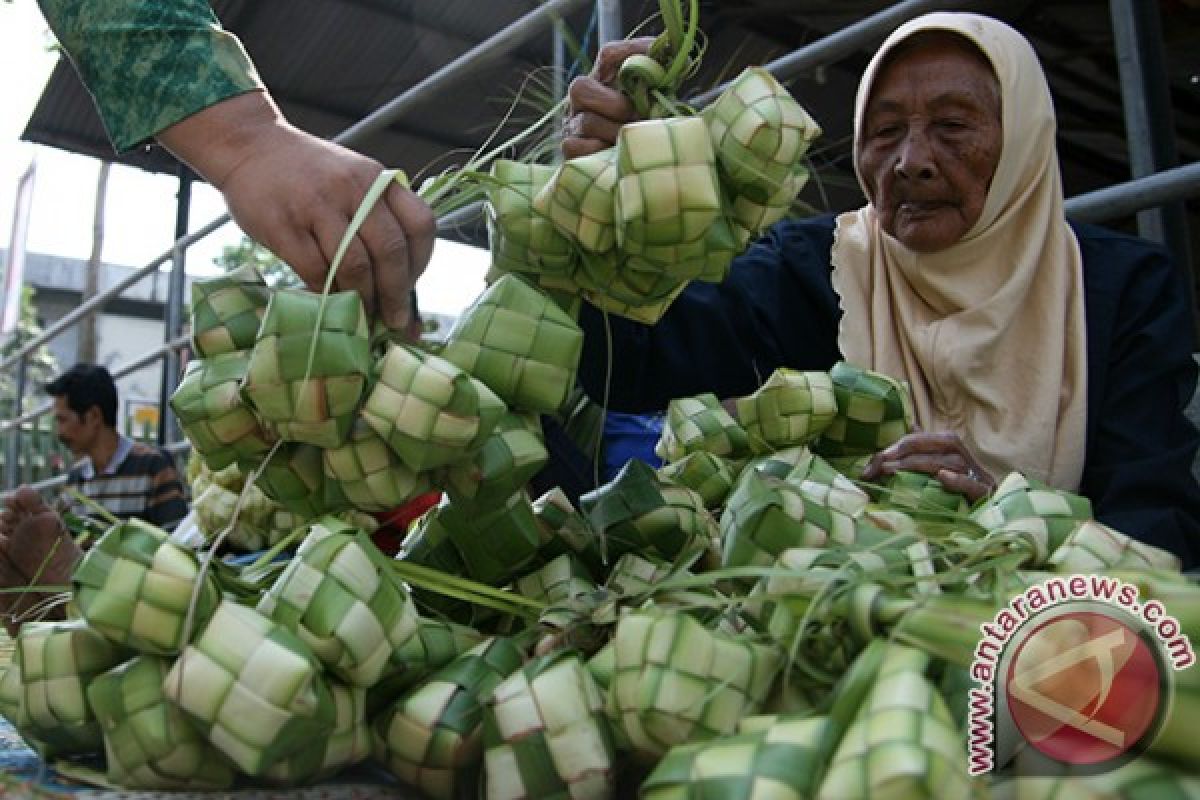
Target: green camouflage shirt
(149, 63)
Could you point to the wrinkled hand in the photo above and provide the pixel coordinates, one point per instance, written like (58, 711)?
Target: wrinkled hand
(597, 109)
(942, 455)
(296, 194)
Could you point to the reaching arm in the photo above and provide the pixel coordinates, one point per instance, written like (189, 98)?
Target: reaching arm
(149, 64)
(166, 70)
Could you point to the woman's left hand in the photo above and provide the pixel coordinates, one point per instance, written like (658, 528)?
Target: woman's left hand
(942, 455)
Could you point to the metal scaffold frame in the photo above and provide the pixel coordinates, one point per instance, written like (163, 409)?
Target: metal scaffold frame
(1155, 193)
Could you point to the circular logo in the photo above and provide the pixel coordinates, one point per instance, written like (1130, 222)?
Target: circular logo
(1084, 688)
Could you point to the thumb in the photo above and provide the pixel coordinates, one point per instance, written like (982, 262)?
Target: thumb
(613, 55)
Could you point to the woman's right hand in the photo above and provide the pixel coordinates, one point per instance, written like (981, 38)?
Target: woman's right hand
(942, 455)
(597, 108)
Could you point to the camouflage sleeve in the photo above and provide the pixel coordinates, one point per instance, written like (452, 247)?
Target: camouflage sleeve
(149, 63)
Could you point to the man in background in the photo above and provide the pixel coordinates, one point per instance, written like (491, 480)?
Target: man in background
(127, 478)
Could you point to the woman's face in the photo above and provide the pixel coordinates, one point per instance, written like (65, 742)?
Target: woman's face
(930, 141)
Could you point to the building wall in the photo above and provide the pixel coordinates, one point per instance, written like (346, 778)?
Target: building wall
(133, 325)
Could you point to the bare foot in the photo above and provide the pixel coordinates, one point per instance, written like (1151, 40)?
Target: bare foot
(35, 550)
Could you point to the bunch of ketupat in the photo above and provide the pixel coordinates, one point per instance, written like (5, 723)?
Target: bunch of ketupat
(743, 622)
(675, 200)
(310, 415)
(185, 679)
(223, 500)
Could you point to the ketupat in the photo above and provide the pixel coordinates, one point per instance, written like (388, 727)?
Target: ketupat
(215, 416)
(488, 544)
(674, 200)
(562, 529)
(437, 642)
(255, 689)
(294, 477)
(45, 685)
(560, 580)
(521, 239)
(504, 464)
(668, 193)
(639, 512)
(366, 472)
(340, 597)
(309, 367)
(148, 742)
(873, 411)
(545, 733)
(139, 589)
(1093, 546)
(1027, 507)
(761, 134)
(775, 762)
(633, 282)
(790, 409)
(431, 737)
(902, 742)
(579, 199)
(348, 744)
(674, 681)
(520, 343)
(763, 517)
(708, 475)
(917, 491)
(634, 574)
(428, 410)
(227, 311)
(701, 423)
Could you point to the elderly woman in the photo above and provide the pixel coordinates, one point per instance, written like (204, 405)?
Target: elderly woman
(1062, 351)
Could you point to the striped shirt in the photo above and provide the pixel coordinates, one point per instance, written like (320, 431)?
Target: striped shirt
(140, 481)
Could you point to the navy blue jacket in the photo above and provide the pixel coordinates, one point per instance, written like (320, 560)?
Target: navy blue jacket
(778, 308)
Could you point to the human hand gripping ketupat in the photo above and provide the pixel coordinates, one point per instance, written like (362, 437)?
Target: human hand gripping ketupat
(296, 194)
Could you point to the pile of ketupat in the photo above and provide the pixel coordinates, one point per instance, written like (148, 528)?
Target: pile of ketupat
(751, 620)
(747, 621)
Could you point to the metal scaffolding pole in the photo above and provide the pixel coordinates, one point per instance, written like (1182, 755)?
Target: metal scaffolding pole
(1149, 124)
(100, 300)
(558, 59)
(609, 25)
(173, 324)
(1123, 199)
(848, 40)
(13, 452)
(127, 368)
(503, 42)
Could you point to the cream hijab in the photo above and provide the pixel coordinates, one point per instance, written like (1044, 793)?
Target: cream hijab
(990, 332)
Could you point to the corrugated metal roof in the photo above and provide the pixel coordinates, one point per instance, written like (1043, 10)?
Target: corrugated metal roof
(331, 62)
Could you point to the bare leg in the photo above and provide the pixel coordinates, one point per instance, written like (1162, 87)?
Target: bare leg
(35, 550)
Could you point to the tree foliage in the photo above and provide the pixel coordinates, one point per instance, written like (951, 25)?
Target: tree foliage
(41, 365)
(247, 252)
